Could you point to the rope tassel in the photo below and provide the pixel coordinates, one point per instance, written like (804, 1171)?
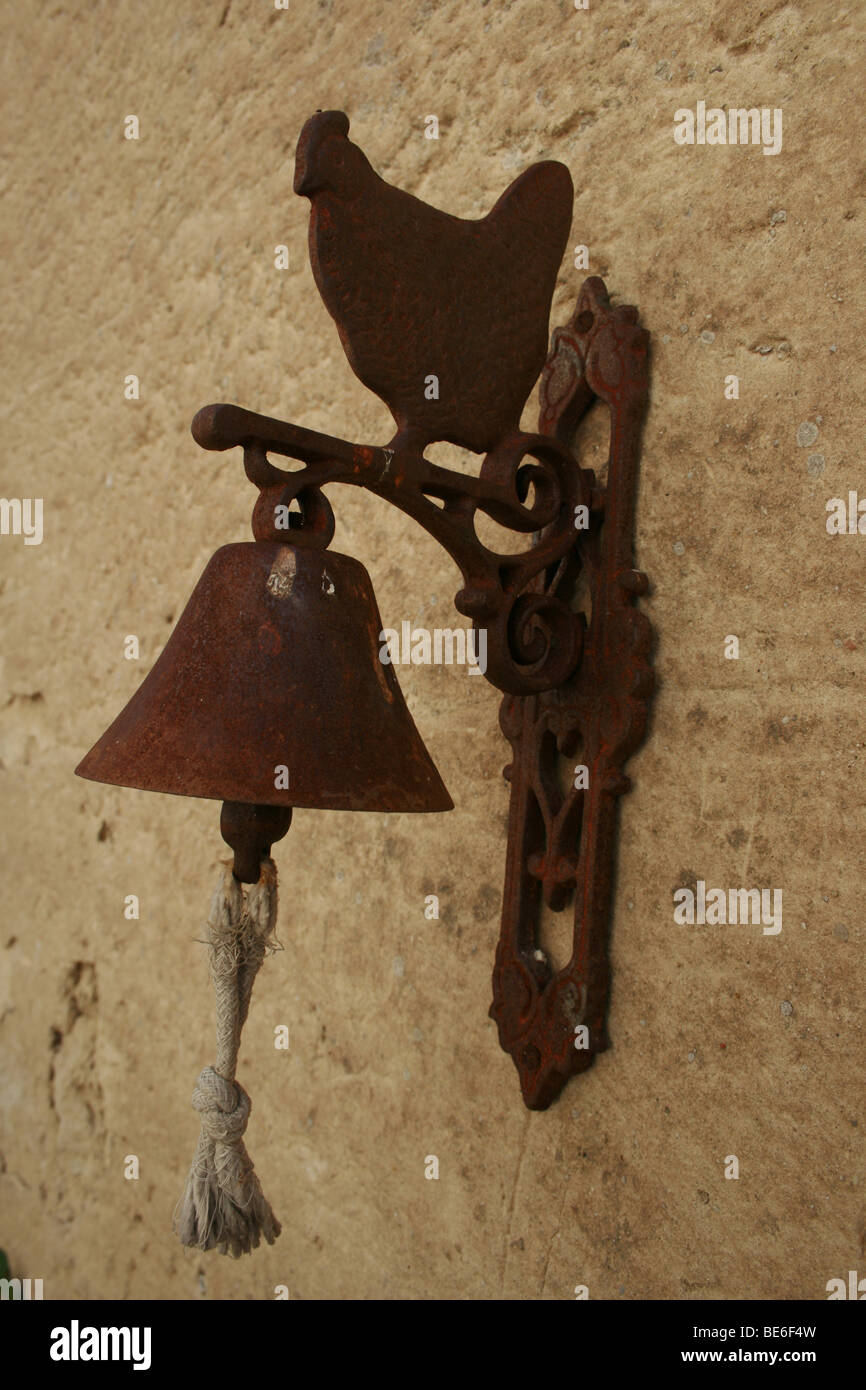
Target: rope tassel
(223, 1205)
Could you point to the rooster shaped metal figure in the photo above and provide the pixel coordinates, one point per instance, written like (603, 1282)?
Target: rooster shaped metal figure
(418, 294)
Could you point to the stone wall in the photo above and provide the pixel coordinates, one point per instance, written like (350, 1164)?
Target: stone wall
(155, 258)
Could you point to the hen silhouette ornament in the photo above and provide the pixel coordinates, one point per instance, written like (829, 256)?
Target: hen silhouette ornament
(418, 294)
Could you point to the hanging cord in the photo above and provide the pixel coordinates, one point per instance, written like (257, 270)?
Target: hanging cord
(223, 1204)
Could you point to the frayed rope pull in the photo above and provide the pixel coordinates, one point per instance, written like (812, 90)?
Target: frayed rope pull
(223, 1206)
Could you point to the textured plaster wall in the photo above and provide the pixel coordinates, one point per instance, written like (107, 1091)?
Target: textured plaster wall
(156, 258)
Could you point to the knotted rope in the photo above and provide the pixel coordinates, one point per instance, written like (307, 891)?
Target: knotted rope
(223, 1205)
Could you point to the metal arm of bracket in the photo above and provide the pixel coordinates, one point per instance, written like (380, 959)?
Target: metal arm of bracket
(533, 640)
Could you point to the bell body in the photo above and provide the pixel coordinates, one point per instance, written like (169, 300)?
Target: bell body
(270, 690)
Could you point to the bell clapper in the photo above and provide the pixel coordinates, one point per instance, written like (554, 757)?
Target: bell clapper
(250, 830)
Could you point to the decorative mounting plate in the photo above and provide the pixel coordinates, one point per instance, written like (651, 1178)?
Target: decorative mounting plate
(563, 845)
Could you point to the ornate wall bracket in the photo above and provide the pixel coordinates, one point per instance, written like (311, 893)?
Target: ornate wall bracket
(533, 639)
(571, 687)
(561, 846)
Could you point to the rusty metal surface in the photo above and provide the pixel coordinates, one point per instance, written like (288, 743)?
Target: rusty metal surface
(562, 846)
(274, 663)
(251, 831)
(416, 292)
(533, 638)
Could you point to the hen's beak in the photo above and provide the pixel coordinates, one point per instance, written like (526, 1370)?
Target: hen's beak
(303, 183)
(308, 157)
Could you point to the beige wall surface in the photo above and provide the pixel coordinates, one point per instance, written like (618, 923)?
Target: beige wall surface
(155, 257)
